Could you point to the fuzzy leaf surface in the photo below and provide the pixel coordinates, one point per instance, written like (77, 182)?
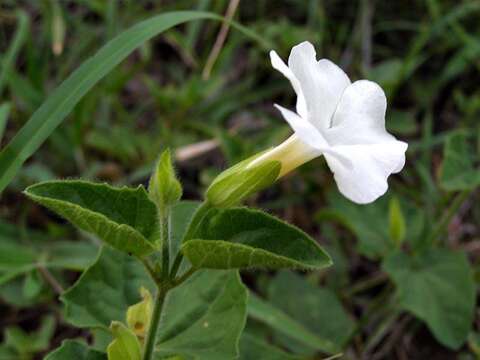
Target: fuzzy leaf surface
(204, 317)
(125, 218)
(239, 238)
(105, 290)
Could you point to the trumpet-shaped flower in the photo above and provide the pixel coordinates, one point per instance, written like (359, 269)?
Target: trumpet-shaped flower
(341, 120)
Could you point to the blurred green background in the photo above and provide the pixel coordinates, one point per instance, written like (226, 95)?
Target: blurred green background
(405, 277)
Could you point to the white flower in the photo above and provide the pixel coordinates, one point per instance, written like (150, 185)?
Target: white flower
(341, 120)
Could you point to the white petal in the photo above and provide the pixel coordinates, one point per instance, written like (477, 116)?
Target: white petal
(366, 179)
(303, 129)
(360, 116)
(278, 64)
(322, 83)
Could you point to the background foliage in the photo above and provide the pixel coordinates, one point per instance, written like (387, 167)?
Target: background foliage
(405, 274)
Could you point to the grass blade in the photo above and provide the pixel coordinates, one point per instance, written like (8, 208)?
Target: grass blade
(278, 320)
(61, 102)
(4, 111)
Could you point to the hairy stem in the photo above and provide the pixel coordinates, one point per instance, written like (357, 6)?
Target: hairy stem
(165, 238)
(154, 322)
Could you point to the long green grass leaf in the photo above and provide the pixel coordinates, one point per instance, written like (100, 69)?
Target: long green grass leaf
(61, 102)
(4, 112)
(265, 312)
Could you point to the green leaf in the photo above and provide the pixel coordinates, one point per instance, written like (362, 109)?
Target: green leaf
(437, 287)
(252, 348)
(370, 223)
(317, 309)
(204, 317)
(23, 251)
(64, 98)
(105, 290)
(396, 222)
(210, 307)
(458, 171)
(280, 321)
(18, 259)
(122, 217)
(117, 280)
(246, 238)
(182, 214)
(77, 350)
(313, 321)
(125, 345)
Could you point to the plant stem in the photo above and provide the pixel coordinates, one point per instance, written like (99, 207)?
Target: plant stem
(154, 322)
(165, 238)
(447, 218)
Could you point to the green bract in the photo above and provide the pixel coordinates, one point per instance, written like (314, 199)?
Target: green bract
(164, 188)
(238, 182)
(245, 238)
(125, 345)
(122, 217)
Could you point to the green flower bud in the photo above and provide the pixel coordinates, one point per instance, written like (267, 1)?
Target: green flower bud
(125, 345)
(235, 184)
(164, 188)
